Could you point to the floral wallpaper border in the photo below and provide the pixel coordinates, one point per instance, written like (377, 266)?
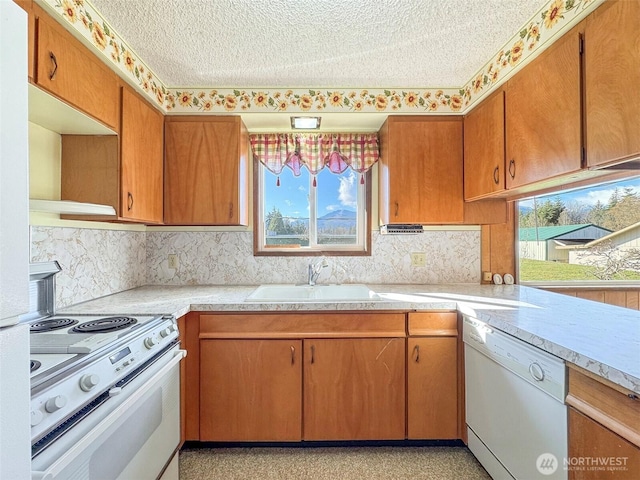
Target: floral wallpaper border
(542, 28)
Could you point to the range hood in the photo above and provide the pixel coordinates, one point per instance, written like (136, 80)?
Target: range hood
(400, 229)
(631, 164)
(70, 208)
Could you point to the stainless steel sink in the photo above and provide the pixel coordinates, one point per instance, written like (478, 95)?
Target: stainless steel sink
(315, 293)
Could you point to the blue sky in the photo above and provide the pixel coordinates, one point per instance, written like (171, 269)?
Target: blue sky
(335, 192)
(590, 195)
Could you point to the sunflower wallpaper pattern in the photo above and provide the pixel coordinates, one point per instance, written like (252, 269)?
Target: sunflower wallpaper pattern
(539, 31)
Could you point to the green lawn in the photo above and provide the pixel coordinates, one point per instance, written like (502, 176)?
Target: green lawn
(539, 270)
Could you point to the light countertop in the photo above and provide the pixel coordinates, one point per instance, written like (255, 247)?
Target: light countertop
(601, 338)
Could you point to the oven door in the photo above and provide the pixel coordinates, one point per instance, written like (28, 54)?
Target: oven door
(133, 438)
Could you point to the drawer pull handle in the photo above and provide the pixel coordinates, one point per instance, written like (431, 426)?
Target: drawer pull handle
(633, 396)
(397, 208)
(496, 177)
(512, 168)
(416, 349)
(129, 201)
(54, 61)
(293, 354)
(313, 353)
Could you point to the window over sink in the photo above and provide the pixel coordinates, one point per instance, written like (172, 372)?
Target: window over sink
(313, 193)
(294, 216)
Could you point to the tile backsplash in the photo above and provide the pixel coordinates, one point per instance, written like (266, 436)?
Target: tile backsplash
(94, 262)
(453, 256)
(101, 262)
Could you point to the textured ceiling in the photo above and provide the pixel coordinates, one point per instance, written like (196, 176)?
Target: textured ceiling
(317, 43)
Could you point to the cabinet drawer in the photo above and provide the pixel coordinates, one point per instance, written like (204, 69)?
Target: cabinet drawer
(433, 324)
(613, 408)
(67, 69)
(308, 325)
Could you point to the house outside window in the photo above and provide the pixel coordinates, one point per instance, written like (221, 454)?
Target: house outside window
(585, 236)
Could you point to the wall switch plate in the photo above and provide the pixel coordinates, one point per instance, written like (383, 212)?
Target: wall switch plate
(418, 259)
(173, 261)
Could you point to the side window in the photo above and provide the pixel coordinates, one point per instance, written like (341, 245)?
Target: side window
(586, 235)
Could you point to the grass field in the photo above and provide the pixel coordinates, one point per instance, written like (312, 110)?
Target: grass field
(539, 270)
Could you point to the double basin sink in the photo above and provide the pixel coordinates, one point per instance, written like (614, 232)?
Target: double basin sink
(312, 293)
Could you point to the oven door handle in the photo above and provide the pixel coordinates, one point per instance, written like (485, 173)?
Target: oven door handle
(60, 464)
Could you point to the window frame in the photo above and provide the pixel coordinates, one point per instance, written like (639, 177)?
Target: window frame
(258, 199)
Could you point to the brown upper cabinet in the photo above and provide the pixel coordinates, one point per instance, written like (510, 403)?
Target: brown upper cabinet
(421, 178)
(543, 115)
(562, 107)
(125, 173)
(141, 141)
(420, 172)
(65, 68)
(484, 144)
(206, 171)
(612, 77)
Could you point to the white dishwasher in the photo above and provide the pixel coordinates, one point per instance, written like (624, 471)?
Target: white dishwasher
(516, 416)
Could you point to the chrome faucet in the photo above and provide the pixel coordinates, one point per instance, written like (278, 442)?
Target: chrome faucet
(315, 269)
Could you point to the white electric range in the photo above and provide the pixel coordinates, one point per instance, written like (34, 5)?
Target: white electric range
(105, 399)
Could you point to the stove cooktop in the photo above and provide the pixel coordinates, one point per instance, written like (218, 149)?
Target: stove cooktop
(81, 334)
(44, 363)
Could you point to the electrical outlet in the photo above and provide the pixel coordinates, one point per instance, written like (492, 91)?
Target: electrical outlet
(418, 259)
(486, 276)
(173, 261)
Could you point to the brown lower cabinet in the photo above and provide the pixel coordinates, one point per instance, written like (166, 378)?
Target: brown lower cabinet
(250, 390)
(604, 429)
(354, 389)
(432, 376)
(590, 442)
(318, 376)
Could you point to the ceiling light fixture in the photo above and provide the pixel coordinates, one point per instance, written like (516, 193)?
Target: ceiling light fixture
(305, 123)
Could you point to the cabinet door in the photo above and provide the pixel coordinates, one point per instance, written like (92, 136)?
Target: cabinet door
(206, 180)
(354, 389)
(141, 142)
(612, 77)
(484, 149)
(68, 70)
(421, 170)
(250, 390)
(432, 392)
(590, 441)
(543, 118)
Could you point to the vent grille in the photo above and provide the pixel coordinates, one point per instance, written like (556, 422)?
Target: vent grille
(400, 229)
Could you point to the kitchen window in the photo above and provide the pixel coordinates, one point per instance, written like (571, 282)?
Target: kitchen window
(582, 237)
(296, 216)
(313, 193)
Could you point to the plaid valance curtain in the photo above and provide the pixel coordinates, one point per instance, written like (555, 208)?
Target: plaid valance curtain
(336, 151)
